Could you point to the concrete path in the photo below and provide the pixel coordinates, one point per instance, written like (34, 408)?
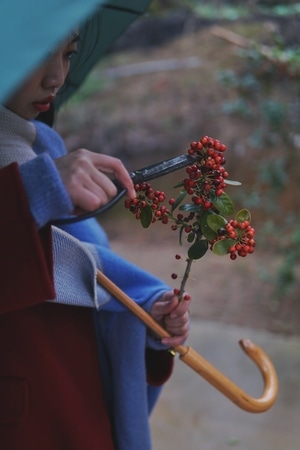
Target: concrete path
(192, 415)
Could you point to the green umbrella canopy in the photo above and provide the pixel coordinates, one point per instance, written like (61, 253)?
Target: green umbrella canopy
(30, 29)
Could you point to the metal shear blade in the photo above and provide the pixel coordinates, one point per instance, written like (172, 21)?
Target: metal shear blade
(162, 168)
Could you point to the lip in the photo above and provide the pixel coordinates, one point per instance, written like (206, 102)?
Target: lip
(45, 104)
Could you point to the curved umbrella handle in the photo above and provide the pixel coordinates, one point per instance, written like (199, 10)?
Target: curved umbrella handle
(203, 367)
(231, 390)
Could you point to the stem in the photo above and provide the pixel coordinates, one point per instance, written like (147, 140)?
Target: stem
(189, 262)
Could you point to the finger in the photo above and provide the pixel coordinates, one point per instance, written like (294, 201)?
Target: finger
(100, 182)
(115, 166)
(89, 177)
(93, 189)
(174, 341)
(180, 309)
(178, 326)
(163, 308)
(178, 334)
(87, 200)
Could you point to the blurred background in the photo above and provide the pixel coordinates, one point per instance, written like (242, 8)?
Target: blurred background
(228, 69)
(231, 70)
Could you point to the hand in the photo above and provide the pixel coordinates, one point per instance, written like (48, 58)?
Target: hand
(174, 316)
(84, 176)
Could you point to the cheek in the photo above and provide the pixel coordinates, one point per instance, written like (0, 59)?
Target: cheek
(14, 103)
(32, 86)
(66, 69)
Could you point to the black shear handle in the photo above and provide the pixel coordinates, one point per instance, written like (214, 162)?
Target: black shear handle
(72, 219)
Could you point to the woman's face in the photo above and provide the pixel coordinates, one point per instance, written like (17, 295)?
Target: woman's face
(39, 91)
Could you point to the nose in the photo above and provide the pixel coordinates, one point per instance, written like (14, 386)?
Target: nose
(55, 73)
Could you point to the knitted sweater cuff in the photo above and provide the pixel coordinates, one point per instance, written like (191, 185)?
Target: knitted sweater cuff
(48, 196)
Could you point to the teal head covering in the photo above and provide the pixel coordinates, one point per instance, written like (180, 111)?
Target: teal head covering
(97, 35)
(30, 29)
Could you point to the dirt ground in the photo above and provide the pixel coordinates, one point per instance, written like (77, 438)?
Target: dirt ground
(153, 115)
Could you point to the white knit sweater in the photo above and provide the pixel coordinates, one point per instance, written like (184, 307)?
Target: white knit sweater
(75, 264)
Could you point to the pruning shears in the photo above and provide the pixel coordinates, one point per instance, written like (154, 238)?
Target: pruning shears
(144, 174)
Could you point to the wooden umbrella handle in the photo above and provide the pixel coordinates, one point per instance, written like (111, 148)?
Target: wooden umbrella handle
(230, 389)
(190, 357)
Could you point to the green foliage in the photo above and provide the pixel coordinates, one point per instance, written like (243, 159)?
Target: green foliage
(221, 247)
(243, 215)
(274, 174)
(228, 10)
(233, 10)
(179, 199)
(268, 72)
(206, 225)
(223, 204)
(215, 222)
(198, 249)
(146, 217)
(217, 10)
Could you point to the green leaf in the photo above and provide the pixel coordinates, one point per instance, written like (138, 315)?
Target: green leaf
(198, 249)
(191, 237)
(242, 215)
(215, 222)
(179, 199)
(223, 204)
(233, 183)
(146, 216)
(180, 235)
(207, 232)
(179, 184)
(221, 247)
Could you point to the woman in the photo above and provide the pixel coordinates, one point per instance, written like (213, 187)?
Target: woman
(54, 393)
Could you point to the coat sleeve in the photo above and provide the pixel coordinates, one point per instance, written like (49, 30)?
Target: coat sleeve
(159, 366)
(26, 252)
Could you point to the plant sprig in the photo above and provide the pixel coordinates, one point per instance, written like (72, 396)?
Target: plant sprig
(202, 209)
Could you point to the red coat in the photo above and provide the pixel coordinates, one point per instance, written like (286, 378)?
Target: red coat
(50, 388)
(49, 376)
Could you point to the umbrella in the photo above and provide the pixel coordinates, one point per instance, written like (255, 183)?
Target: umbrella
(30, 29)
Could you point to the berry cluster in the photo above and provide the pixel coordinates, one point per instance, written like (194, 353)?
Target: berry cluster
(202, 219)
(242, 235)
(207, 175)
(148, 197)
